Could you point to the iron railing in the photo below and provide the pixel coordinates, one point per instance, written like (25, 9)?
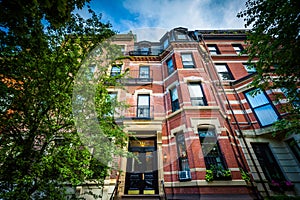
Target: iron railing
(138, 112)
(139, 77)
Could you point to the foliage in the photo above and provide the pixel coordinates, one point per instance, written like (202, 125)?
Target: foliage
(245, 175)
(274, 45)
(217, 172)
(209, 175)
(42, 46)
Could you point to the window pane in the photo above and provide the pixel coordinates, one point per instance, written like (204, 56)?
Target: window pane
(266, 115)
(210, 148)
(166, 43)
(213, 50)
(221, 68)
(143, 109)
(143, 100)
(257, 100)
(195, 90)
(187, 60)
(115, 70)
(250, 68)
(174, 94)
(170, 66)
(182, 153)
(144, 72)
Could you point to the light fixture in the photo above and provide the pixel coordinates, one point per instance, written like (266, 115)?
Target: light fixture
(165, 157)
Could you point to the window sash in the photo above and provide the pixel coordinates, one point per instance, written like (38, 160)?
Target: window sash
(115, 70)
(210, 148)
(262, 108)
(213, 50)
(174, 99)
(143, 100)
(266, 115)
(182, 153)
(170, 66)
(144, 72)
(196, 94)
(250, 68)
(143, 108)
(223, 72)
(187, 60)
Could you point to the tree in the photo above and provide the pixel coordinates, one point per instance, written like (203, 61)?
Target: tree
(273, 42)
(42, 46)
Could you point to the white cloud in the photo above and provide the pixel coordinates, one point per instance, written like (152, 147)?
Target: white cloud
(196, 14)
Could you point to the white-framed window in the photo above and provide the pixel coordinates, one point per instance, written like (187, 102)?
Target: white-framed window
(144, 72)
(187, 60)
(223, 72)
(262, 107)
(213, 49)
(250, 68)
(143, 108)
(196, 94)
(115, 70)
(238, 48)
(181, 36)
(184, 173)
(174, 99)
(170, 65)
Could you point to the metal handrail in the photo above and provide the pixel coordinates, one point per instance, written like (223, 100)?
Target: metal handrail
(164, 189)
(115, 191)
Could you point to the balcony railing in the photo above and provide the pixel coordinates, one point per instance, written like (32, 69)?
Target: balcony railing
(150, 52)
(138, 77)
(139, 112)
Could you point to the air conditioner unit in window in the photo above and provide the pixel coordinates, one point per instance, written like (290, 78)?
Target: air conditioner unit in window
(185, 176)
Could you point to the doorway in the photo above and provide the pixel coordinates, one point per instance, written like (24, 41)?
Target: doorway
(141, 172)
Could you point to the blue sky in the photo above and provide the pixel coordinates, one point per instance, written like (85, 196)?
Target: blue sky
(158, 16)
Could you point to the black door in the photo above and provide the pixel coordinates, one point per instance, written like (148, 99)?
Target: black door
(141, 174)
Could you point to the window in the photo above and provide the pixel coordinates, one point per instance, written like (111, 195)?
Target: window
(143, 109)
(292, 97)
(210, 148)
(223, 72)
(184, 167)
(213, 49)
(267, 161)
(170, 66)
(181, 36)
(262, 107)
(115, 70)
(187, 60)
(294, 146)
(196, 94)
(174, 99)
(144, 72)
(238, 48)
(144, 51)
(112, 103)
(166, 43)
(250, 68)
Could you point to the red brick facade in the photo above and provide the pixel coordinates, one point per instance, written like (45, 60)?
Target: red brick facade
(225, 111)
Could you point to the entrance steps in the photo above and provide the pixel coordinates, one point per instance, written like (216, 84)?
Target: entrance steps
(140, 197)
